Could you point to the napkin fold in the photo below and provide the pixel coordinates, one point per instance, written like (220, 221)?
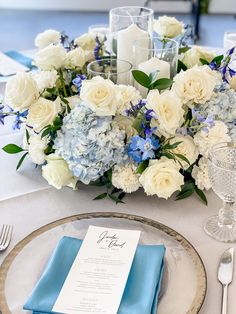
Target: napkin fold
(142, 287)
(19, 57)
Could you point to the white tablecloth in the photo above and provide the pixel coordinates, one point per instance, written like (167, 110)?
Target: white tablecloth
(27, 202)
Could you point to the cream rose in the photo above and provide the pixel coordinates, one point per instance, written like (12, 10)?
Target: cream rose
(36, 148)
(187, 148)
(21, 91)
(45, 79)
(57, 172)
(192, 56)
(46, 38)
(162, 178)
(125, 124)
(205, 140)
(126, 95)
(43, 112)
(75, 58)
(100, 95)
(196, 85)
(168, 110)
(167, 26)
(50, 58)
(86, 41)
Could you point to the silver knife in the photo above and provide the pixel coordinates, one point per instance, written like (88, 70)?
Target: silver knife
(225, 275)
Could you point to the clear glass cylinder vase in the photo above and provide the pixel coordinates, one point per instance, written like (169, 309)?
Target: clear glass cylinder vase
(126, 25)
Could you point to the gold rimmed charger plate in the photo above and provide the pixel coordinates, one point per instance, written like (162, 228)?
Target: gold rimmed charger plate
(164, 233)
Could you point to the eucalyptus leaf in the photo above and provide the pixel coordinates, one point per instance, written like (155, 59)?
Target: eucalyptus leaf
(12, 149)
(141, 77)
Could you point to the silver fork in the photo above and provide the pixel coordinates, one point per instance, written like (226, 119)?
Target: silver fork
(5, 236)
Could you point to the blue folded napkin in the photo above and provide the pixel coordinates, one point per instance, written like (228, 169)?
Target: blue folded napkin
(142, 287)
(19, 57)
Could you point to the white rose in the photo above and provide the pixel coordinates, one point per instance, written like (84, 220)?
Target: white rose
(43, 112)
(73, 101)
(168, 110)
(205, 140)
(46, 38)
(100, 95)
(167, 26)
(126, 95)
(201, 175)
(21, 91)
(232, 83)
(50, 58)
(195, 85)
(57, 172)
(187, 148)
(125, 124)
(75, 58)
(36, 148)
(86, 41)
(192, 56)
(162, 178)
(125, 178)
(45, 79)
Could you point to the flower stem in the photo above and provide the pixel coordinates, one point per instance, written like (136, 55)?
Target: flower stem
(63, 83)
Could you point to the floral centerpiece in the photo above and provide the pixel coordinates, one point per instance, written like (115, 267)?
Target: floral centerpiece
(104, 134)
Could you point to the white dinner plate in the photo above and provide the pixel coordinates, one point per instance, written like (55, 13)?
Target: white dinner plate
(184, 282)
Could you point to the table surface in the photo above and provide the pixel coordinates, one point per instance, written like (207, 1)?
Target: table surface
(27, 202)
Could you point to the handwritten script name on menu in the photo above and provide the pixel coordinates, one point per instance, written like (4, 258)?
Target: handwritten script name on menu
(97, 278)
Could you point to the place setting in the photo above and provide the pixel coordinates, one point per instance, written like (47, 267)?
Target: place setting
(130, 107)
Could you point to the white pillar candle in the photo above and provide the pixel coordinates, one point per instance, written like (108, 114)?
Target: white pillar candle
(125, 39)
(154, 64)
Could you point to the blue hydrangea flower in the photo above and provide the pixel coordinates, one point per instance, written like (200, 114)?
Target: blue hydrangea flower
(91, 145)
(2, 115)
(141, 149)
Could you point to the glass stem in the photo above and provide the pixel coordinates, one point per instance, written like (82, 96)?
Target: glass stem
(227, 215)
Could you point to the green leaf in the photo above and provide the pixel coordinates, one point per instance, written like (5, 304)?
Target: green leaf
(21, 160)
(121, 195)
(161, 84)
(168, 155)
(181, 66)
(27, 136)
(142, 166)
(115, 190)
(204, 62)
(100, 197)
(188, 186)
(153, 76)
(97, 183)
(181, 195)
(171, 146)
(46, 131)
(182, 157)
(201, 195)
(183, 49)
(115, 199)
(218, 59)
(12, 149)
(141, 77)
(109, 174)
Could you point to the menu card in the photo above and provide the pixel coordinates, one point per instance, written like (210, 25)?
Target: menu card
(8, 66)
(97, 278)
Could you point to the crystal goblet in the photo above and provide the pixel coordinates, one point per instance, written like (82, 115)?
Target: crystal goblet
(222, 172)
